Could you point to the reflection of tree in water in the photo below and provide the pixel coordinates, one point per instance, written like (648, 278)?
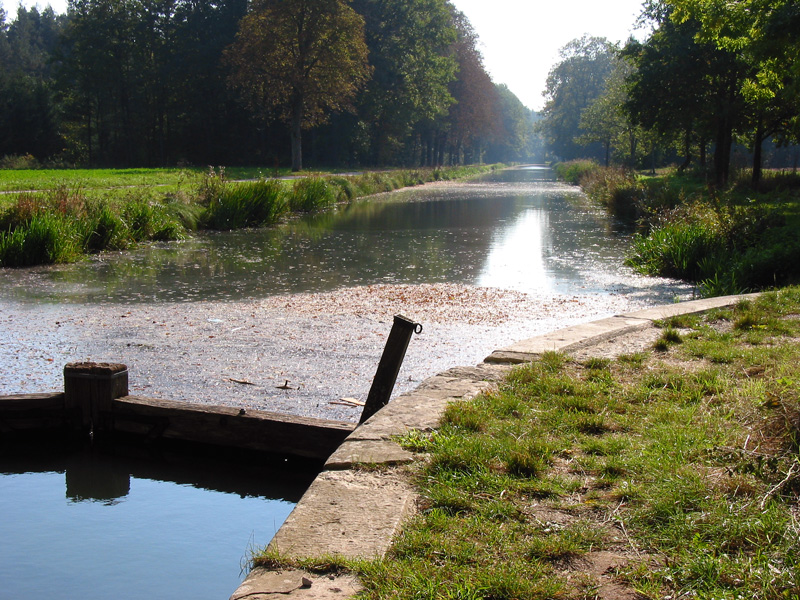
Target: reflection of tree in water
(105, 476)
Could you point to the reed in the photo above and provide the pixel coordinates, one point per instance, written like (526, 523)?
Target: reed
(247, 204)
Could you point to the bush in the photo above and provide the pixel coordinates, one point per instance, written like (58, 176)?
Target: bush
(310, 194)
(26, 161)
(574, 171)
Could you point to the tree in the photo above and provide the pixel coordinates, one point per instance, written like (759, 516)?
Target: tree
(297, 60)
(29, 115)
(605, 120)
(410, 50)
(764, 35)
(572, 85)
(698, 87)
(517, 138)
(474, 119)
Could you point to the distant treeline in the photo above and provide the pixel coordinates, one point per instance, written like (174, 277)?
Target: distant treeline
(146, 83)
(714, 86)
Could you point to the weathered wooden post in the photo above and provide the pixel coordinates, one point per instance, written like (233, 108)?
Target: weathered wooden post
(89, 390)
(389, 366)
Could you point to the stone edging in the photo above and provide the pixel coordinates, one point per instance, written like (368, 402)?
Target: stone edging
(354, 510)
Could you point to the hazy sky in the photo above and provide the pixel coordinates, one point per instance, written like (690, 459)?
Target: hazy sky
(520, 39)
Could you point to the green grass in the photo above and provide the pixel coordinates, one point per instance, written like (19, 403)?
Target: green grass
(685, 466)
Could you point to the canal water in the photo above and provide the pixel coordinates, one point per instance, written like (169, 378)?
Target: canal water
(300, 312)
(291, 319)
(133, 524)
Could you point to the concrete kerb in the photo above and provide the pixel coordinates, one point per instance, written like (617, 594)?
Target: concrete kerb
(357, 504)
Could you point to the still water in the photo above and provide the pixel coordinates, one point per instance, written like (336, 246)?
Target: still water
(81, 524)
(516, 229)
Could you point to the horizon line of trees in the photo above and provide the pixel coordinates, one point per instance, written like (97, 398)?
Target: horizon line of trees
(713, 76)
(166, 82)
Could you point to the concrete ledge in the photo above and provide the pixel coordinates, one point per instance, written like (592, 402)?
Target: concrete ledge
(564, 339)
(301, 585)
(688, 308)
(354, 514)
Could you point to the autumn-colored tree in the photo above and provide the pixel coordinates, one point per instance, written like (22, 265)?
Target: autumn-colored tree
(297, 60)
(475, 117)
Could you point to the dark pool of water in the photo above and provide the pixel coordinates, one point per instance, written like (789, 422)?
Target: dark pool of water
(516, 229)
(89, 525)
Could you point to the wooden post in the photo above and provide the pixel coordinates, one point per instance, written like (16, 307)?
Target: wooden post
(389, 366)
(90, 388)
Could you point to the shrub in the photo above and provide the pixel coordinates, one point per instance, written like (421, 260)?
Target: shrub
(310, 194)
(574, 171)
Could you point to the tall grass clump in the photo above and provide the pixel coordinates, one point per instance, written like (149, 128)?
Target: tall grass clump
(310, 194)
(726, 248)
(42, 240)
(247, 204)
(574, 171)
(615, 189)
(60, 225)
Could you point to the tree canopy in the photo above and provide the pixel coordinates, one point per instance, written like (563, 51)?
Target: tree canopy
(298, 60)
(572, 85)
(164, 82)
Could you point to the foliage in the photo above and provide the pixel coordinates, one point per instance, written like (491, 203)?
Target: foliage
(578, 79)
(410, 51)
(299, 59)
(725, 246)
(140, 83)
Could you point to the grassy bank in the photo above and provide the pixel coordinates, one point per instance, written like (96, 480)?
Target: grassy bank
(728, 241)
(669, 473)
(73, 214)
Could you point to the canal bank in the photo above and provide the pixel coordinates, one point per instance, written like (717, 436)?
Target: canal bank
(358, 503)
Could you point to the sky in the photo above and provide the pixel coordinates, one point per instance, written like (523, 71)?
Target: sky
(520, 39)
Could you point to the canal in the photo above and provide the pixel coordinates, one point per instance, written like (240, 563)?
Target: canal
(300, 312)
(290, 319)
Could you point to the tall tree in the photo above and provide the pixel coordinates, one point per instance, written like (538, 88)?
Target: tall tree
(298, 60)
(605, 120)
(474, 120)
(29, 115)
(410, 49)
(517, 137)
(764, 35)
(711, 108)
(572, 85)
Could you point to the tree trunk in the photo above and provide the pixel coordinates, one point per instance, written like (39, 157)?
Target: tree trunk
(297, 134)
(687, 150)
(758, 141)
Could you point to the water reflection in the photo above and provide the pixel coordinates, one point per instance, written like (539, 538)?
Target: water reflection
(135, 523)
(514, 228)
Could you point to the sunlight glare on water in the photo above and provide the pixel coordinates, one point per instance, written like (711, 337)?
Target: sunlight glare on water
(516, 255)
